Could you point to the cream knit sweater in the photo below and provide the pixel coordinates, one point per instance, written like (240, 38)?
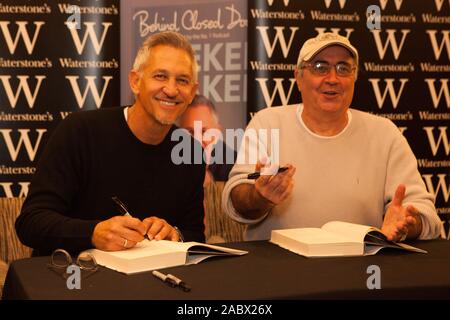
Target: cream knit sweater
(349, 177)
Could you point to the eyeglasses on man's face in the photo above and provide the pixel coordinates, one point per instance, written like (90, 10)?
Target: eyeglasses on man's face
(322, 68)
(61, 259)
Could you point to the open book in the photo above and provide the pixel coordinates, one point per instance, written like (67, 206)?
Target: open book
(151, 255)
(336, 238)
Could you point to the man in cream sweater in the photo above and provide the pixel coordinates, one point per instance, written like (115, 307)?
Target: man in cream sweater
(343, 164)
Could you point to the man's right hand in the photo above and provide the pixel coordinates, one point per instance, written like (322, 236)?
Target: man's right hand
(118, 233)
(252, 201)
(275, 188)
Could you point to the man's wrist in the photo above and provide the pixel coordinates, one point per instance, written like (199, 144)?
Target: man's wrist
(416, 230)
(261, 202)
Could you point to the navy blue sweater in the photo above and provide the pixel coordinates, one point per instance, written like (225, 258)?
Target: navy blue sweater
(93, 156)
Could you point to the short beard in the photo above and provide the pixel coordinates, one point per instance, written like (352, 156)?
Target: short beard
(164, 122)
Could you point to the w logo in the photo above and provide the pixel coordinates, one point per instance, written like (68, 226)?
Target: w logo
(437, 49)
(22, 33)
(279, 37)
(442, 185)
(8, 190)
(270, 2)
(336, 31)
(278, 90)
(395, 97)
(443, 137)
(91, 86)
(398, 4)
(439, 4)
(436, 97)
(341, 3)
(390, 40)
(91, 34)
(24, 140)
(23, 86)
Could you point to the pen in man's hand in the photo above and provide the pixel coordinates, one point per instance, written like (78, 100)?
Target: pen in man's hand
(256, 175)
(121, 206)
(124, 210)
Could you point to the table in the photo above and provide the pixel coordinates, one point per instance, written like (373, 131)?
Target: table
(267, 272)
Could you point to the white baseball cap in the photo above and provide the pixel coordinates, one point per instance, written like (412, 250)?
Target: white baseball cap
(314, 45)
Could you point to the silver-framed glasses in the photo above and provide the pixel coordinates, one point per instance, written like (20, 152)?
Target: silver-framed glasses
(60, 260)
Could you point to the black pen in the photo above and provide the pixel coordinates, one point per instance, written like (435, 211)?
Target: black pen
(121, 206)
(124, 210)
(164, 278)
(256, 175)
(171, 280)
(180, 283)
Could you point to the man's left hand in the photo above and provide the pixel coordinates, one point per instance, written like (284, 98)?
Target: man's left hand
(159, 229)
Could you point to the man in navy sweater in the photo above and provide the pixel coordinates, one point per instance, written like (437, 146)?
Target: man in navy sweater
(125, 153)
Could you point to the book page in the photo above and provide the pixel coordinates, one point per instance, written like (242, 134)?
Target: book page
(370, 250)
(313, 236)
(353, 231)
(373, 238)
(197, 252)
(205, 248)
(145, 248)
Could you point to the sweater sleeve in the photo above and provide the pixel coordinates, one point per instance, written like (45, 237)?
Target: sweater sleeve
(402, 169)
(45, 222)
(251, 150)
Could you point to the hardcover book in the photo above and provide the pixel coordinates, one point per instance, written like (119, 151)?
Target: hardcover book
(336, 238)
(152, 255)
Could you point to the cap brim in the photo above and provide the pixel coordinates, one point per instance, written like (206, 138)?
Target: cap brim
(311, 55)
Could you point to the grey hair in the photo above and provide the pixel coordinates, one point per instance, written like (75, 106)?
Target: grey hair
(168, 38)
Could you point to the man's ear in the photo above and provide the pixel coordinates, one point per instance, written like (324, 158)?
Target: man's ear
(134, 79)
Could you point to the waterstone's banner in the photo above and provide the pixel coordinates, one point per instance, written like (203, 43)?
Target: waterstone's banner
(56, 57)
(218, 33)
(404, 50)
